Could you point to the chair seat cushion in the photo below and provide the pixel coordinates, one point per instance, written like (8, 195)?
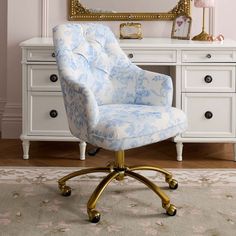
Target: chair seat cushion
(125, 126)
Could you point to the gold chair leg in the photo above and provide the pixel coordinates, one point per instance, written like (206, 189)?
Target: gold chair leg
(94, 215)
(66, 190)
(170, 208)
(173, 184)
(118, 171)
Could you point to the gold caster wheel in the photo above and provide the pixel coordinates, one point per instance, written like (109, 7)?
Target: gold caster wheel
(65, 190)
(94, 216)
(171, 210)
(173, 184)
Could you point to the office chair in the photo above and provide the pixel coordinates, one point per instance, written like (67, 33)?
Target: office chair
(113, 104)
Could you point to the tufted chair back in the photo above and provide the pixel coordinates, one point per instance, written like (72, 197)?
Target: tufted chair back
(95, 72)
(91, 55)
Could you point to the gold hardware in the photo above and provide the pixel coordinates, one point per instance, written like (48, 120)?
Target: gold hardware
(98, 191)
(94, 216)
(83, 172)
(78, 12)
(120, 159)
(118, 171)
(173, 184)
(65, 190)
(130, 30)
(170, 209)
(165, 199)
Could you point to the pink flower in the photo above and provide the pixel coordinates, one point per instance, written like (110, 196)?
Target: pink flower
(5, 221)
(45, 225)
(54, 206)
(6, 214)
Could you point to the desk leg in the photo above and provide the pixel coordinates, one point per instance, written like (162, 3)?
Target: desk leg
(234, 151)
(26, 146)
(82, 147)
(179, 149)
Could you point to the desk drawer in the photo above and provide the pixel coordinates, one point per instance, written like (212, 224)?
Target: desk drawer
(43, 78)
(161, 56)
(209, 115)
(40, 55)
(209, 56)
(208, 78)
(47, 114)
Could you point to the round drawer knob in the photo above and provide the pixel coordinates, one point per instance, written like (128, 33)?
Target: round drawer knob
(54, 78)
(53, 54)
(208, 56)
(53, 113)
(130, 55)
(208, 79)
(208, 115)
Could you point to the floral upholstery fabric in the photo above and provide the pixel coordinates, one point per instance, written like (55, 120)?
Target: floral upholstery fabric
(124, 126)
(110, 102)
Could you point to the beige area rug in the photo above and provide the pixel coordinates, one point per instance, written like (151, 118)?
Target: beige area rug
(30, 205)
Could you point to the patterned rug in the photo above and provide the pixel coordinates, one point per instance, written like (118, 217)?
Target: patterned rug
(30, 204)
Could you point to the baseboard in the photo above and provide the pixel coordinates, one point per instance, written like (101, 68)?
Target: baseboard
(2, 106)
(11, 121)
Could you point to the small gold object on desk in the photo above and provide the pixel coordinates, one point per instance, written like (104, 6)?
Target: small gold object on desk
(130, 31)
(203, 36)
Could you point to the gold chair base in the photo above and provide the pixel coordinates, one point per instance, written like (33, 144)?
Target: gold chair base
(118, 171)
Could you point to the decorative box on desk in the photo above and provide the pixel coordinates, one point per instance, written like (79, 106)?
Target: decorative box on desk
(203, 76)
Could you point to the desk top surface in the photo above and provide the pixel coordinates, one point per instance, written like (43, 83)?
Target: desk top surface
(146, 43)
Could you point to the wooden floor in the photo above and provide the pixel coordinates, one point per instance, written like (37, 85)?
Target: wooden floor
(162, 154)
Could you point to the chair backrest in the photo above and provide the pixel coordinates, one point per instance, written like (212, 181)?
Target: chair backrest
(90, 55)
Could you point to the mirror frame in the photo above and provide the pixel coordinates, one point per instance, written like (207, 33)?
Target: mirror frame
(77, 12)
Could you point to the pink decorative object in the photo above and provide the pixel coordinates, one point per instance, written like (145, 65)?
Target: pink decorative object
(204, 3)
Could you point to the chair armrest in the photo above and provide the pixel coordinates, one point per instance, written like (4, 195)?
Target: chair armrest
(81, 108)
(154, 89)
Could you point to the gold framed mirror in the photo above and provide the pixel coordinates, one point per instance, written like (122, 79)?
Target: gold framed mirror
(114, 10)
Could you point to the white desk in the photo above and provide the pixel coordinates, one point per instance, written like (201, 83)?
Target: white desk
(203, 75)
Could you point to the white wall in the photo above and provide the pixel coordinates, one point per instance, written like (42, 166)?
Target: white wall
(225, 18)
(24, 20)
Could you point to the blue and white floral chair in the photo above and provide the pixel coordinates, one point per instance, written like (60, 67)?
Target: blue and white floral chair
(113, 104)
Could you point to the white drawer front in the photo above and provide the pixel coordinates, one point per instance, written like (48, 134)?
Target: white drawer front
(209, 56)
(152, 56)
(40, 55)
(47, 114)
(199, 108)
(43, 78)
(208, 78)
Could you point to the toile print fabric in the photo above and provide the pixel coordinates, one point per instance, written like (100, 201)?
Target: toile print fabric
(110, 102)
